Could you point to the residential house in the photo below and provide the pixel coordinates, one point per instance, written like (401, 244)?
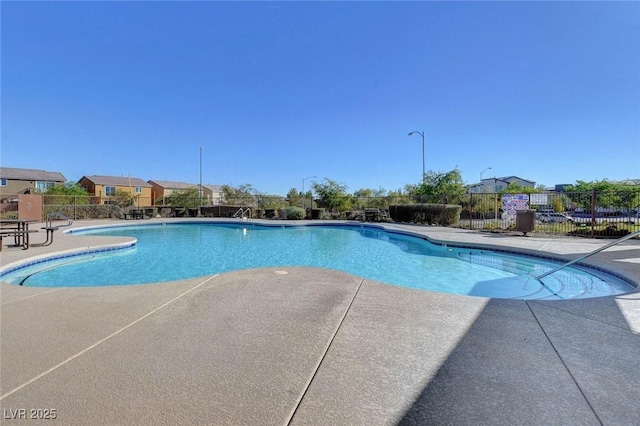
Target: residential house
(164, 188)
(495, 184)
(104, 188)
(15, 181)
(211, 194)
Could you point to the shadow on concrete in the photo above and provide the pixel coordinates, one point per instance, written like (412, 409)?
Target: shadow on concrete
(561, 362)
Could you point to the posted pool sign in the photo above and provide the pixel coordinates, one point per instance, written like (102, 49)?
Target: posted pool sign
(511, 203)
(538, 200)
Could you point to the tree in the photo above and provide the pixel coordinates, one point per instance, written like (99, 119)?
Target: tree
(559, 203)
(69, 193)
(333, 195)
(441, 187)
(185, 198)
(514, 188)
(271, 201)
(294, 197)
(606, 194)
(482, 203)
(398, 197)
(243, 195)
(366, 197)
(123, 199)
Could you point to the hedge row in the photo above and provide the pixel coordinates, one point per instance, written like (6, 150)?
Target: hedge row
(433, 214)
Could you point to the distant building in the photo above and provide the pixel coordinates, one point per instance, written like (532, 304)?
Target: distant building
(211, 194)
(562, 187)
(15, 181)
(103, 188)
(495, 184)
(164, 188)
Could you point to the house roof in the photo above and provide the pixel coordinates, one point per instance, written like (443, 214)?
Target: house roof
(168, 184)
(214, 188)
(510, 178)
(116, 181)
(492, 179)
(31, 174)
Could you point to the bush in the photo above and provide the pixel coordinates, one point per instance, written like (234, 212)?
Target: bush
(292, 213)
(86, 211)
(441, 214)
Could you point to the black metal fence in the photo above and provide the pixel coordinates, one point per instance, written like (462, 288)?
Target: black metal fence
(611, 214)
(595, 213)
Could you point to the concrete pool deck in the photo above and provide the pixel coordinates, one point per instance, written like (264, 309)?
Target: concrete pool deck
(294, 345)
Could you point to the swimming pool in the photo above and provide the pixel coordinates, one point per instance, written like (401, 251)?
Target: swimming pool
(169, 252)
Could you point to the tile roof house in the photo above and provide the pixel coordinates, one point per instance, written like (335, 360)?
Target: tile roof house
(15, 181)
(103, 188)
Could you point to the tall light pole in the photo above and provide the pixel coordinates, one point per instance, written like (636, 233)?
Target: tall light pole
(201, 149)
(421, 134)
(302, 193)
(488, 168)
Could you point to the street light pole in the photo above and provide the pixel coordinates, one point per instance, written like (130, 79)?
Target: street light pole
(200, 202)
(302, 193)
(488, 168)
(421, 134)
(481, 185)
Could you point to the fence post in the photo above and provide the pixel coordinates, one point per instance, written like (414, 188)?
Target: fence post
(593, 212)
(470, 210)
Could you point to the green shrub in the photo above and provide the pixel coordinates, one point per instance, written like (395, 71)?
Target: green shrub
(441, 214)
(292, 213)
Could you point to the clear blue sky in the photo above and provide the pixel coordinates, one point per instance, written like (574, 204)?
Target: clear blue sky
(279, 91)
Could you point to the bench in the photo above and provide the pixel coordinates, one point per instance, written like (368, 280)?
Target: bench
(375, 215)
(49, 230)
(133, 215)
(21, 236)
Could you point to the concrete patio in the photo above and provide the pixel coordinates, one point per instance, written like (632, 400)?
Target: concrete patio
(294, 345)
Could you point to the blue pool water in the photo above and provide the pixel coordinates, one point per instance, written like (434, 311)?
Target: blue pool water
(179, 251)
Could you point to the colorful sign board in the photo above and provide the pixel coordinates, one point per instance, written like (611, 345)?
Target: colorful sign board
(511, 203)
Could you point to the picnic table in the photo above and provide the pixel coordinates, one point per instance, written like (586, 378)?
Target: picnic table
(18, 229)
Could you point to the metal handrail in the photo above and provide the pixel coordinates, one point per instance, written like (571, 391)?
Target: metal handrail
(59, 215)
(241, 212)
(598, 250)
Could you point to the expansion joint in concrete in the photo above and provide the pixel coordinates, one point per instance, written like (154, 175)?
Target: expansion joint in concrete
(564, 364)
(324, 354)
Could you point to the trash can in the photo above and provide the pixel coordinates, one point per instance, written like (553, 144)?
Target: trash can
(525, 221)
